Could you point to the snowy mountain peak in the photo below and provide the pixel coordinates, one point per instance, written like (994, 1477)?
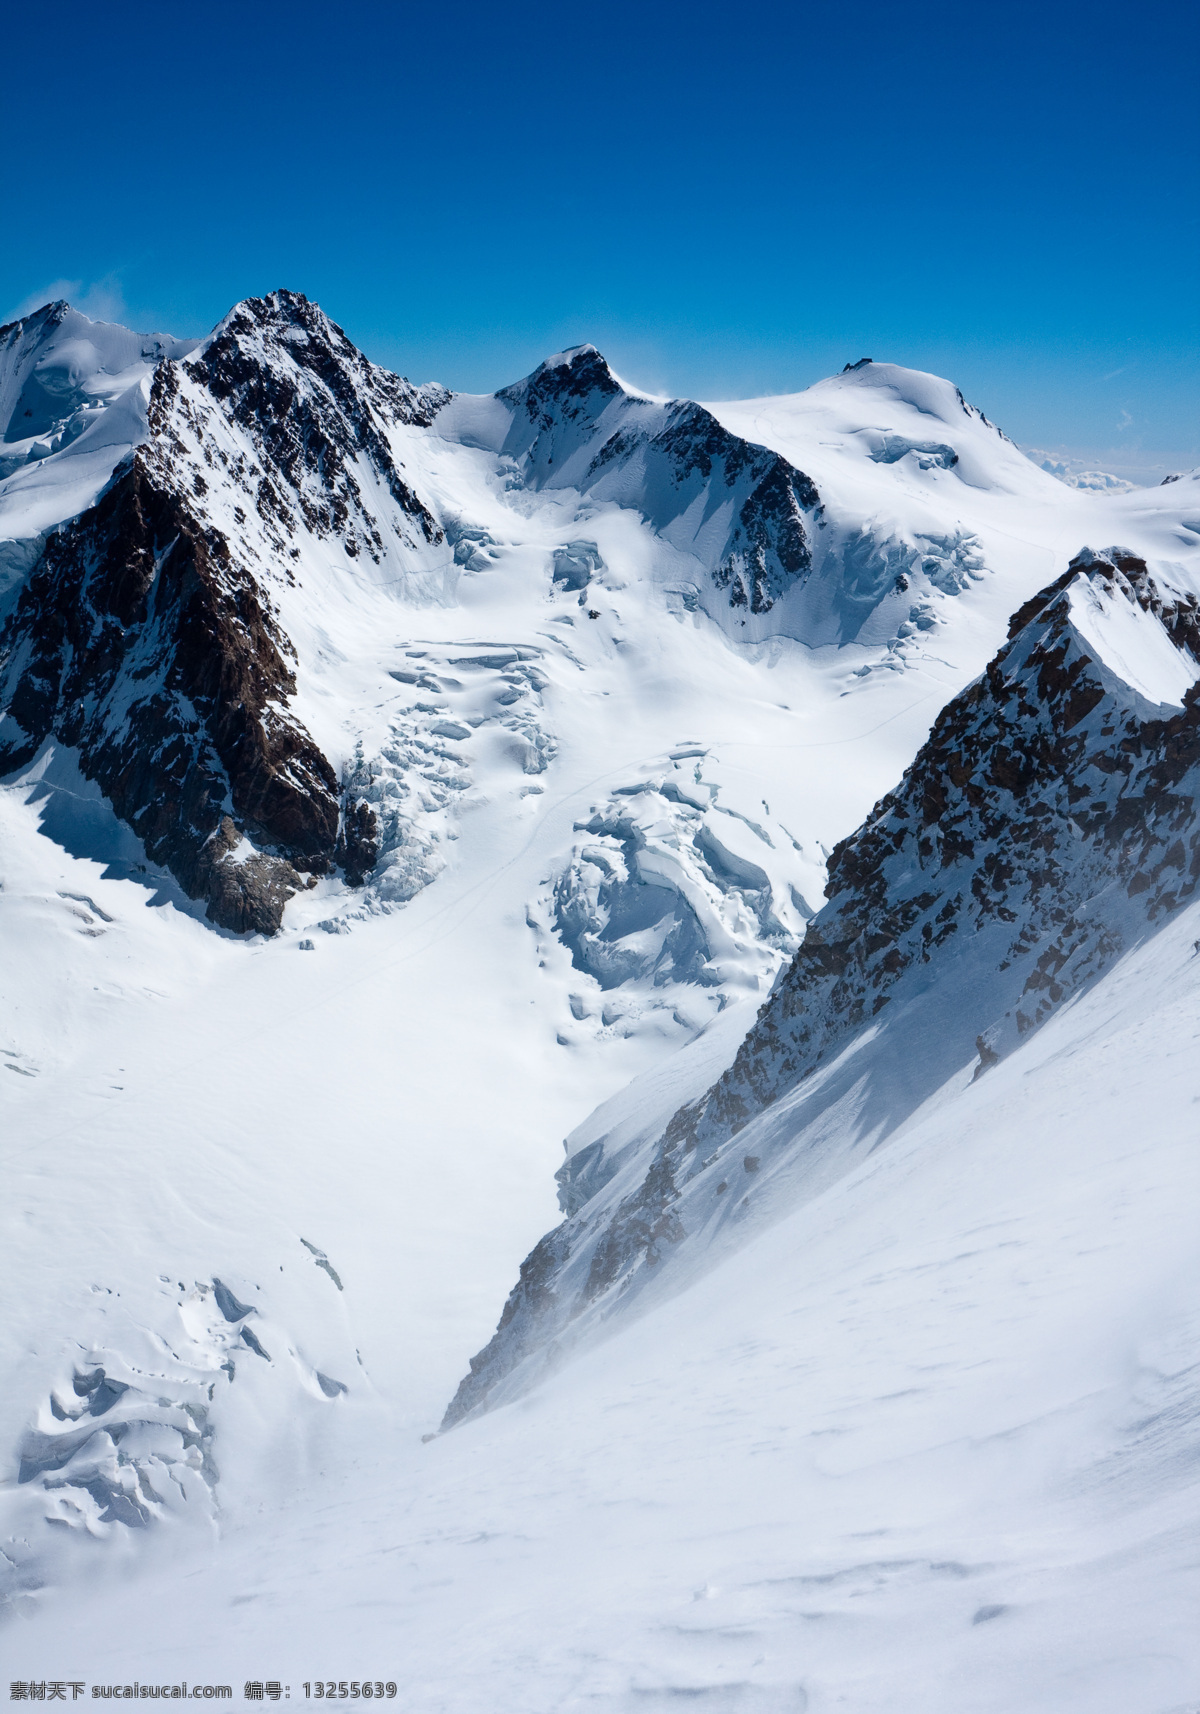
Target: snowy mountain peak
(281, 321)
(281, 308)
(59, 369)
(572, 355)
(733, 505)
(149, 637)
(573, 386)
(286, 329)
(931, 395)
(526, 734)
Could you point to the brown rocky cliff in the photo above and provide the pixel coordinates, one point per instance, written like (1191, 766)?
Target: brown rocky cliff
(148, 639)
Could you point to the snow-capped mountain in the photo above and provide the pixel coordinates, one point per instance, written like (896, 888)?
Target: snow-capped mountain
(734, 508)
(59, 371)
(398, 781)
(72, 405)
(148, 637)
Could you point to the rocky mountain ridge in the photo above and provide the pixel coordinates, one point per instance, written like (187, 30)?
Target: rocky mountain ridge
(738, 507)
(165, 632)
(148, 633)
(147, 636)
(1049, 823)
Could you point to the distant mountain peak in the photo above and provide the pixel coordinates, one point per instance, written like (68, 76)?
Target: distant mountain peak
(572, 354)
(48, 316)
(275, 315)
(572, 383)
(575, 423)
(58, 368)
(150, 628)
(931, 395)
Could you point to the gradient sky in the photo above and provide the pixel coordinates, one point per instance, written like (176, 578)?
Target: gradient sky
(729, 199)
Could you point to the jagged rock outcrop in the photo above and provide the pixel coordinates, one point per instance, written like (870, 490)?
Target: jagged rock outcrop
(141, 641)
(1048, 784)
(1048, 822)
(312, 405)
(148, 635)
(738, 507)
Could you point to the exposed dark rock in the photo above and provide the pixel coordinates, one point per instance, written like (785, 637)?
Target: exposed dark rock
(574, 388)
(573, 421)
(141, 643)
(987, 1058)
(1049, 819)
(358, 841)
(147, 639)
(307, 435)
(1039, 785)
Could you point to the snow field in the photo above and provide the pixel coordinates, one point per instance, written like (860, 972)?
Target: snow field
(920, 1438)
(926, 1444)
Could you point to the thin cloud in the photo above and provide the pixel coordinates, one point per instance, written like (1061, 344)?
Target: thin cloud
(69, 289)
(102, 300)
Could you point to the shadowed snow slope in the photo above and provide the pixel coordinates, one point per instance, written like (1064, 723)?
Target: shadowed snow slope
(398, 783)
(1048, 823)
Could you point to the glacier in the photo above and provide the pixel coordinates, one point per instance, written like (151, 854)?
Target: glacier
(400, 782)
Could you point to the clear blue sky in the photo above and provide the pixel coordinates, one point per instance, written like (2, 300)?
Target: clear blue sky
(726, 198)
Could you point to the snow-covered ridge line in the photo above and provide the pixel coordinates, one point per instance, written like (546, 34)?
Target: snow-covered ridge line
(59, 370)
(1049, 823)
(168, 634)
(737, 507)
(274, 448)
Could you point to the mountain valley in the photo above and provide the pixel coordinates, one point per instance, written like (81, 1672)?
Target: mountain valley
(790, 803)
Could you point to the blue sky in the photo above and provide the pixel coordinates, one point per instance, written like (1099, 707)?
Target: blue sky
(727, 199)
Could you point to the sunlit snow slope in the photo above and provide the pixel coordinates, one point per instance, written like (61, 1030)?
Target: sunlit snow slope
(400, 783)
(927, 1443)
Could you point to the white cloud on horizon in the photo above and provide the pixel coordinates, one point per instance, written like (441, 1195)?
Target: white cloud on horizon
(1144, 469)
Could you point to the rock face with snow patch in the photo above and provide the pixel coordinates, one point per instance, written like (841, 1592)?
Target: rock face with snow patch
(1045, 812)
(148, 635)
(1049, 821)
(738, 507)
